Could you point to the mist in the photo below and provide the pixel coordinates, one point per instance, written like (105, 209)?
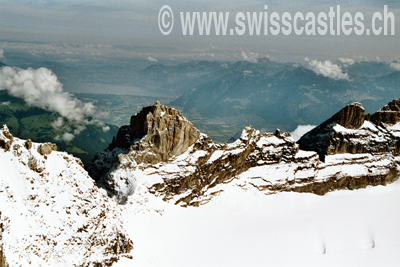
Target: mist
(301, 130)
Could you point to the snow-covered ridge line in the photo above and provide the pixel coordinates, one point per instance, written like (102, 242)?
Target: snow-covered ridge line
(192, 172)
(52, 213)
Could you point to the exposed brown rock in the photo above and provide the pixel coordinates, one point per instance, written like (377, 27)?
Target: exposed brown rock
(161, 131)
(389, 114)
(350, 117)
(349, 183)
(2, 257)
(28, 144)
(47, 148)
(6, 138)
(5, 144)
(155, 134)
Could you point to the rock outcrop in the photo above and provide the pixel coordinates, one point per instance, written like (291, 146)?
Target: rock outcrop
(355, 153)
(389, 114)
(160, 131)
(350, 117)
(154, 135)
(45, 149)
(51, 211)
(6, 138)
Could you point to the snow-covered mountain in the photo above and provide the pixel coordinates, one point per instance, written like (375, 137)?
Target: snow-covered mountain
(51, 212)
(242, 205)
(237, 214)
(164, 152)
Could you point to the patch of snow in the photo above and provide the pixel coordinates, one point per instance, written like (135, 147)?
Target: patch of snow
(216, 155)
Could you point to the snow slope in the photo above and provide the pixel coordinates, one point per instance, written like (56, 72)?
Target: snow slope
(249, 228)
(51, 212)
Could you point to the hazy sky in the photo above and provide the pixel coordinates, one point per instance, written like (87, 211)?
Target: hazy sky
(122, 26)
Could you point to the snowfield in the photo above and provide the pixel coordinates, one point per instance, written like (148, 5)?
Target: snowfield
(248, 228)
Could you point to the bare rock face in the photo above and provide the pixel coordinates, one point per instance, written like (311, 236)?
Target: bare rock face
(161, 130)
(164, 132)
(47, 148)
(350, 117)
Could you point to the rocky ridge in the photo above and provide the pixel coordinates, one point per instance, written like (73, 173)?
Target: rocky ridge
(143, 154)
(52, 213)
(352, 131)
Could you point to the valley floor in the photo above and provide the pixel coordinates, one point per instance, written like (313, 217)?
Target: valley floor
(248, 228)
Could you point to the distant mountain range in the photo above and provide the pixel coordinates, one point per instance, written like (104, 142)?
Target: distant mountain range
(270, 95)
(221, 98)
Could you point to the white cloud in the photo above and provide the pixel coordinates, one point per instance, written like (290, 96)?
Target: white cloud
(1, 53)
(395, 65)
(68, 137)
(301, 130)
(347, 61)
(58, 123)
(6, 103)
(327, 69)
(41, 88)
(106, 128)
(152, 59)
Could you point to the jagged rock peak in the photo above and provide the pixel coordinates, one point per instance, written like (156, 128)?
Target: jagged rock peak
(160, 129)
(389, 114)
(154, 135)
(392, 106)
(351, 117)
